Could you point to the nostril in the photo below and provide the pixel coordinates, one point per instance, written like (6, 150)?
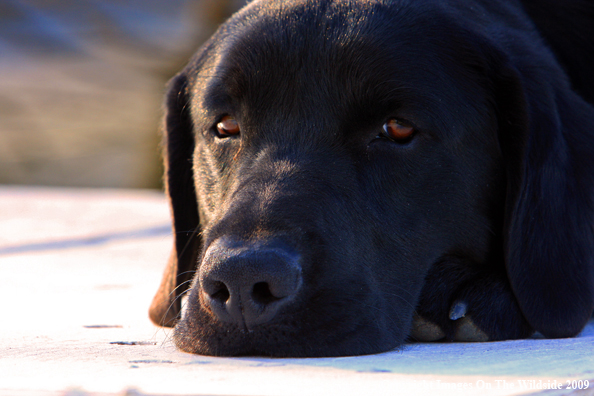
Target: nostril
(261, 294)
(248, 284)
(219, 292)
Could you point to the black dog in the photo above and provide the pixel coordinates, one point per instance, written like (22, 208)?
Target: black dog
(338, 168)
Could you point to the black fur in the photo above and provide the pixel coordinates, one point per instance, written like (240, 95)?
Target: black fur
(311, 234)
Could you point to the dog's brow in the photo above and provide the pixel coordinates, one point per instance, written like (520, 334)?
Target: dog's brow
(215, 95)
(223, 86)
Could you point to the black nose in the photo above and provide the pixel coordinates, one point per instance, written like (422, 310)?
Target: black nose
(247, 284)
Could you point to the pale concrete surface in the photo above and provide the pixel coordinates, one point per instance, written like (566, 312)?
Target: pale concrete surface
(78, 269)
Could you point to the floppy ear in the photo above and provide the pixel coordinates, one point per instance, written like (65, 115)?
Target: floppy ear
(179, 184)
(546, 133)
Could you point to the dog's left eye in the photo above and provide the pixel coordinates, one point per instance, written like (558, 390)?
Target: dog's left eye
(398, 130)
(228, 126)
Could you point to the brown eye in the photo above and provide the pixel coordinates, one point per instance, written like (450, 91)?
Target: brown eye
(228, 126)
(398, 130)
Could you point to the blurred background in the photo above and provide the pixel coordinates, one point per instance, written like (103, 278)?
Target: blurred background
(82, 82)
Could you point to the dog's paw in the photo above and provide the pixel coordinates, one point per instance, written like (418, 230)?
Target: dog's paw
(425, 330)
(464, 302)
(465, 330)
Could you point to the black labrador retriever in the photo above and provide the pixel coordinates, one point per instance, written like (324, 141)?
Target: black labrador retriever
(345, 174)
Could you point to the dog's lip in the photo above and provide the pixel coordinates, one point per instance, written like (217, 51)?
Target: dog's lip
(255, 342)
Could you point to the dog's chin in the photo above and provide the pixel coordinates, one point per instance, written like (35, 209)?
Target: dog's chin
(297, 349)
(217, 339)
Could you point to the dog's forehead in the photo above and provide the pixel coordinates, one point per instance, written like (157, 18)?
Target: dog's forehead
(337, 57)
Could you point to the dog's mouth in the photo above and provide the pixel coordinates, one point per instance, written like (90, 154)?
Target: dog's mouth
(313, 326)
(200, 331)
(281, 340)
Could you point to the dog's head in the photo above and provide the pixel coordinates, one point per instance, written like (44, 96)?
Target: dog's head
(321, 156)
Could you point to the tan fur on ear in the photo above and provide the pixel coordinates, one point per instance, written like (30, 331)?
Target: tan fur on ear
(165, 307)
(178, 145)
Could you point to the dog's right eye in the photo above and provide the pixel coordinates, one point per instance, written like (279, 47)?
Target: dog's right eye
(228, 126)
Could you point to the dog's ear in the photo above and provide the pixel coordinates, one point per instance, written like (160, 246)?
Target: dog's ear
(546, 133)
(179, 183)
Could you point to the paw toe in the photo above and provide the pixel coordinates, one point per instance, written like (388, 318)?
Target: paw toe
(467, 331)
(424, 330)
